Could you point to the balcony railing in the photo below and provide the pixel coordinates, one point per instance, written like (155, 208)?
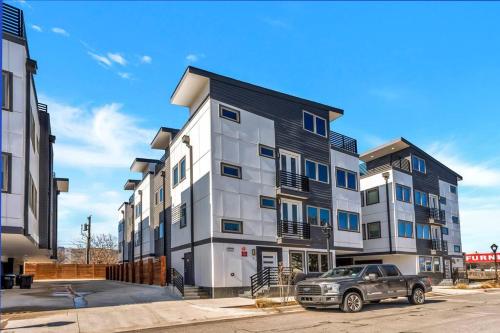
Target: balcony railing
(294, 229)
(439, 245)
(294, 181)
(343, 142)
(363, 169)
(403, 164)
(42, 107)
(13, 21)
(438, 215)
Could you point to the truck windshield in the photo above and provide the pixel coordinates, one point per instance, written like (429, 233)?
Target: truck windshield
(343, 271)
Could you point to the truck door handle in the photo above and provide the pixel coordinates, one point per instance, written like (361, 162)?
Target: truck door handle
(402, 280)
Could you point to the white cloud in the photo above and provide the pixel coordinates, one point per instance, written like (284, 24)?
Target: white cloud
(277, 23)
(36, 27)
(60, 31)
(194, 57)
(145, 59)
(101, 60)
(387, 94)
(102, 136)
(124, 75)
(118, 58)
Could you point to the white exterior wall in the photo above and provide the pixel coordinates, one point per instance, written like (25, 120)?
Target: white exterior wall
(147, 230)
(347, 200)
(403, 211)
(230, 268)
(451, 209)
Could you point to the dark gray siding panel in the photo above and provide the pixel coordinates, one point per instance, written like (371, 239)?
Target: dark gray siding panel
(44, 181)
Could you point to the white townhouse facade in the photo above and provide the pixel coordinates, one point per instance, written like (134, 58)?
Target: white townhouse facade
(29, 186)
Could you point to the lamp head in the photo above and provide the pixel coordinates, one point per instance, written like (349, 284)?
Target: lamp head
(494, 248)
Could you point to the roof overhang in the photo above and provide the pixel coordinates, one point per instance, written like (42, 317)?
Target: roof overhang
(385, 149)
(190, 86)
(163, 138)
(62, 184)
(142, 164)
(131, 184)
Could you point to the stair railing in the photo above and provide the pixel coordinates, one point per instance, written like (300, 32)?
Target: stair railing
(177, 280)
(269, 276)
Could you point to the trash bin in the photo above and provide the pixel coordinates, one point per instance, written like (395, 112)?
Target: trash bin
(8, 281)
(26, 281)
(18, 280)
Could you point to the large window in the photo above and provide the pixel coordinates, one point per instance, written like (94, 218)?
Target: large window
(267, 202)
(138, 209)
(6, 91)
(437, 264)
(405, 229)
(175, 175)
(373, 230)
(347, 179)
(229, 114)
(266, 151)
(317, 263)
(314, 124)
(403, 193)
(179, 172)
(6, 170)
(318, 216)
(161, 194)
(423, 231)
(161, 230)
(418, 164)
(421, 198)
(183, 216)
(425, 264)
(233, 227)
(297, 261)
(33, 197)
(182, 168)
(457, 248)
(454, 219)
(348, 221)
(453, 189)
(230, 170)
(317, 171)
(445, 230)
(372, 196)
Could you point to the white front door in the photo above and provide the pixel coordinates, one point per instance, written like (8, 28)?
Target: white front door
(291, 217)
(269, 259)
(433, 201)
(289, 162)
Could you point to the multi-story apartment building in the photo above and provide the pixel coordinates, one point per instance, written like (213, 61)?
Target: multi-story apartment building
(410, 211)
(29, 186)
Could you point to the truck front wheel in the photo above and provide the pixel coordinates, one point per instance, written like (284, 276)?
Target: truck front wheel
(417, 296)
(352, 302)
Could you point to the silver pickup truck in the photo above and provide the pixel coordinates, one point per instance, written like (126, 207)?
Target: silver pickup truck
(350, 287)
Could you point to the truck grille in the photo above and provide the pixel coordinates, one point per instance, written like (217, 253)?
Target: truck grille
(308, 289)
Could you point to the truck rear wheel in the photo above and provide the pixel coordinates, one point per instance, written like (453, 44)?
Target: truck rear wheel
(353, 302)
(417, 296)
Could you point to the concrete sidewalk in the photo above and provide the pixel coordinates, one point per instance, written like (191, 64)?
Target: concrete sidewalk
(449, 291)
(134, 316)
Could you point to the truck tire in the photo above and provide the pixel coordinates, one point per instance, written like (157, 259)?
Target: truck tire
(352, 302)
(417, 296)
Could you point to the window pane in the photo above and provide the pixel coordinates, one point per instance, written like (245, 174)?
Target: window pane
(324, 216)
(414, 163)
(231, 226)
(323, 173)
(406, 194)
(297, 261)
(268, 202)
(324, 262)
(351, 180)
(308, 122)
(230, 171)
(399, 192)
(312, 262)
(284, 212)
(161, 231)
(341, 182)
(321, 126)
(421, 263)
(409, 230)
(372, 196)
(161, 194)
(437, 265)
(421, 166)
(294, 213)
(420, 231)
(183, 168)
(353, 222)
(268, 152)
(444, 230)
(176, 175)
(453, 189)
(342, 220)
(310, 170)
(401, 229)
(233, 115)
(312, 215)
(424, 199)
(373, 230)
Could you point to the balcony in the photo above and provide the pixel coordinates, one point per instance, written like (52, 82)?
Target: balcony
(439, 245)
(343, 142)
(293, 181)
(294, 229)
(437, 215)
(402, 164)
(13, 21)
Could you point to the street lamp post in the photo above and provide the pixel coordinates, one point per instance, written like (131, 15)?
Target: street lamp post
(494, 248)
(327, 231)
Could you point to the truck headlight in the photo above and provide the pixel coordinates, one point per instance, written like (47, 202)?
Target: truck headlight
(331, 288)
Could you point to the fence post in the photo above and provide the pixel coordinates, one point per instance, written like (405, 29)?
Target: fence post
(163, 271)
(150, 271)
(141, 273)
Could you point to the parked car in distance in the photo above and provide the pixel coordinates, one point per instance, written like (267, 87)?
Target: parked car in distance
(350, 287)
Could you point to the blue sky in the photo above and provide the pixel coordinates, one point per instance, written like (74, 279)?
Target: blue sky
(427, 71)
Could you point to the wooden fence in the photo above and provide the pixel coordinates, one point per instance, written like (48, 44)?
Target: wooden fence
(54, 271)
(482, 275)
(150, 271)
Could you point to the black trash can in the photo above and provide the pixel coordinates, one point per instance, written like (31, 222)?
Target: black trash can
(18, 280)
(26, 281)
(8, 281)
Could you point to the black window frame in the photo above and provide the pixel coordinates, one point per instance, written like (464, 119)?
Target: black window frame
(315, 130)
(362, 193)
(9, 86)
(8, 158)
(418, 169)
(383, 269)
(240, 223)
(264, 197)
(182, 216)
(368, 230)
(372, 190)
(419, 203)
(221, 115)
(267, 147)
(453, 187)
(455, 219)
(316, 171)
(224, 164)
(346, 178)
(406, 222)
(447, 231)
(348, 221)
(403, 187)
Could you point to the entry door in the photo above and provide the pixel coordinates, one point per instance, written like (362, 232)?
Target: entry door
(289, 162)
(291, 215)
(188, 269)
(270, 259)
(435, 233)
(433, 201)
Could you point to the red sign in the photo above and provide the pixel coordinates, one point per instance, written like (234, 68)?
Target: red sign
(481, 257)
(244, 252)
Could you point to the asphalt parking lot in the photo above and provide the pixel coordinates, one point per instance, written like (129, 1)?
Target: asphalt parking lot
(60, 295)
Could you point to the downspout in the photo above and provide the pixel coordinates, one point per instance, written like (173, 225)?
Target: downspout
(133, 233)
(164, 223)
(186, 141)
(386, 177)
(123, 236)
(140, 224)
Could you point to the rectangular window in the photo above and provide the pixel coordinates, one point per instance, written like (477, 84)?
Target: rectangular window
(229, 114)
(362, 198)
(175, 175)
(453, 189)
(233, 227)
(421, 198)
(183, 213)
(6, 170)
(347, 179)
(437, 264)
(317, 171)
(6, 91)
(161, 194)
(312, 215)
(318, 216)
(161, 230)
(403, 193)
(317, 263)
(445, 230)
(348, 221)
(456, 248)
(33, 197)
(363, 228)
(32, 131)
(267, 202)
(442, 200)
(156, 198)
(324, 216)
(314, 124)
(455, 219)
(423, 231)
(418, 164)
(230, 170)
(267, 151)
(138, 209)
(297, 260)
(405, 229)
(425, 264)
(373, 230)
(372, 196)
(182, 168)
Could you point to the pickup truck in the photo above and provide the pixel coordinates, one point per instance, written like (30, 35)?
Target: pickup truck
(349, 287)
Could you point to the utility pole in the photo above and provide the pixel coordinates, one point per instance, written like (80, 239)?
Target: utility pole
(327, 231)
(86, 227)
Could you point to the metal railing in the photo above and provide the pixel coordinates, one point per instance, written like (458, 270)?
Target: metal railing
(177, 280)
(439, 245)
(294, 229)
(270, 276)
(363, 169)
(403, 164)
(343, 142)
(293, 180)
(13, 21)
(437, 214)
(42, 107)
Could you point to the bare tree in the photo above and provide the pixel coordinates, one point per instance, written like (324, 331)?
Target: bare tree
(103, 250)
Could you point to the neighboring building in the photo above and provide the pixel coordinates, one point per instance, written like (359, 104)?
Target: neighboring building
(29, 186)
(419, 196)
